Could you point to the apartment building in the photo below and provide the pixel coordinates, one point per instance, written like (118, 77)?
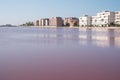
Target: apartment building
(117, 18)
(56, 21)
(85, 21)
(105, 18)
(94, 21)
(37, 23)
(71, 21)
(44, 22)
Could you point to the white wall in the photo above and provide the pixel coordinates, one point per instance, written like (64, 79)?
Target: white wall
(85, 21)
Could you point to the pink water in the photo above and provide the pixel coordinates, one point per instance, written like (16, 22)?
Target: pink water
(59, 54)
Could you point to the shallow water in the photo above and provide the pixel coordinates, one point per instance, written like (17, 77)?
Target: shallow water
(59, 54)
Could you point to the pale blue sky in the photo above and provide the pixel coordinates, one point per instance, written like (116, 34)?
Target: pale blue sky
(20, 11)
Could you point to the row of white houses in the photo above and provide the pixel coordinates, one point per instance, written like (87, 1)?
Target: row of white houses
(104, 18)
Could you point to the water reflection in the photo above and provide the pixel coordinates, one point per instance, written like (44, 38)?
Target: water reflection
(59, 54)
(101, 37)
(56, 35)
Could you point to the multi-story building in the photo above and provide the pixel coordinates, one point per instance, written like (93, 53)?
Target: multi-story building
(71, 21)
(37, 23)
(85, 21)
(117, 18)
(44, 22)
(56, 21)
(94, 21)
(105, 18)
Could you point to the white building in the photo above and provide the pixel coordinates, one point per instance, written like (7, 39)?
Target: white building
(105, 18)
(117, 18)
(85, 21)
(94, 21)
(42, 22)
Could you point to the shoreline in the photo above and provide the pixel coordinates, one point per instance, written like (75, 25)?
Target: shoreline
(112, 27)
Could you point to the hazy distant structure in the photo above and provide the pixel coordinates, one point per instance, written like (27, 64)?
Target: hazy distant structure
(71, 21)
(44, 22)
(102, 19)
(37, 23)
(56, 21)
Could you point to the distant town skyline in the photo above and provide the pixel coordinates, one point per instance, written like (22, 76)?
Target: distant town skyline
(20, 11)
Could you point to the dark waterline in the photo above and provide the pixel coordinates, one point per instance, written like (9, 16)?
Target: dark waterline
(59, 54)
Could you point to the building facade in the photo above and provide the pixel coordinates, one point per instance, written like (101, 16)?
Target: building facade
(85, 21)
(94, 21)
(117, 18)
(44, 22)
(71, 21)
(105, 18)
(37, 23)
(56, 21)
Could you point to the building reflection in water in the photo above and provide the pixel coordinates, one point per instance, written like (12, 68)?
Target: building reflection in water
(45, 36)
(101, 37)
(57, 35)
